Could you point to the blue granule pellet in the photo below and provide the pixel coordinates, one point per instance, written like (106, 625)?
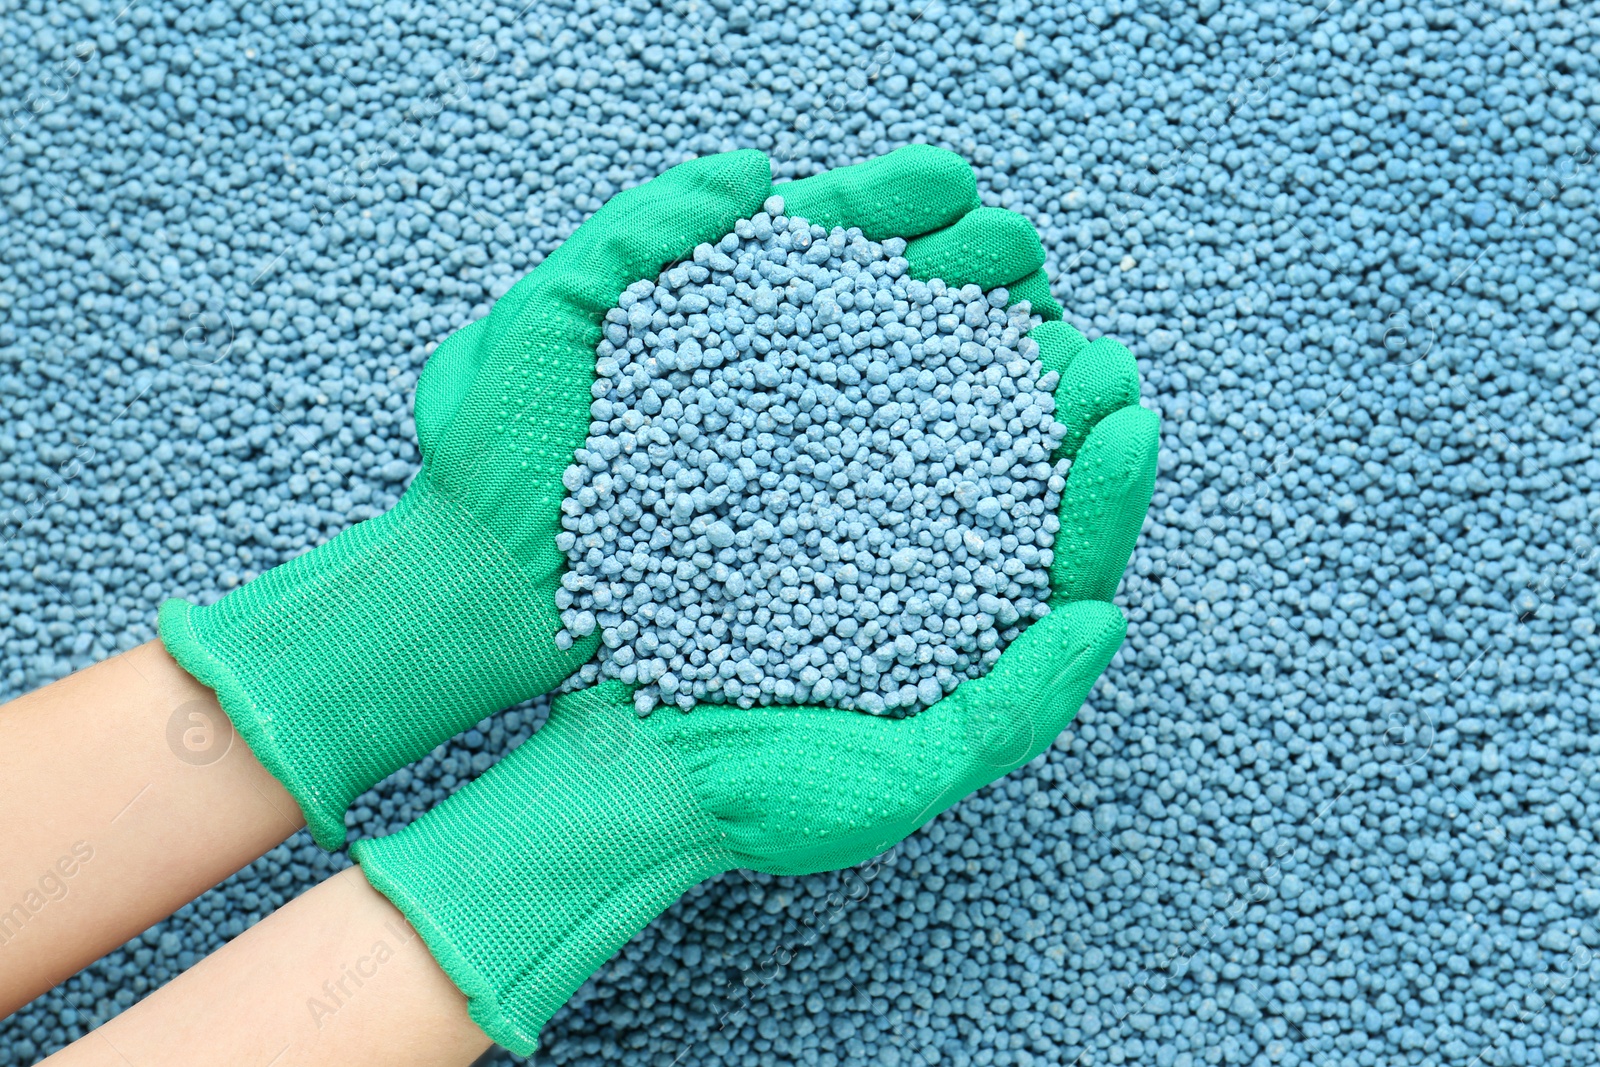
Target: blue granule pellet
(1334, 804)
(809, 478)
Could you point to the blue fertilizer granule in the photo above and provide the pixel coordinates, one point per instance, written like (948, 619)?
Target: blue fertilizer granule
(1336, 801)
(809, 479)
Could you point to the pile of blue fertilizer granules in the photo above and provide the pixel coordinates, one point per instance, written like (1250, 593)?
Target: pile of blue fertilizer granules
(801, 483)
(1335, 802)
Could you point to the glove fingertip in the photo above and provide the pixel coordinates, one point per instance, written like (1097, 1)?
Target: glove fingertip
(942, 170)
(737, 175)
(987, 247)
(1059, 344)
(910, 191)
(1104, 504)
(1102, 377)
(1035, 289)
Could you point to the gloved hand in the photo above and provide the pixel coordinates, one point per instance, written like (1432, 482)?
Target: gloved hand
(527, 880)
(355, 659)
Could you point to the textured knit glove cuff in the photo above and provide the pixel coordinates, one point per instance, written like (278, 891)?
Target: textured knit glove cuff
(363, 655)
(525, 883)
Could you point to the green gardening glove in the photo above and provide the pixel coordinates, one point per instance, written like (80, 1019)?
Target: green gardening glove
(527, 880)
(355, 659)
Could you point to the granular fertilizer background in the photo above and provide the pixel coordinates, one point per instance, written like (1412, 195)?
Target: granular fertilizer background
(1334, 803)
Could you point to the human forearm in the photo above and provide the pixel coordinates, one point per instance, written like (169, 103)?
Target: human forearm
(336, 977)
(123, 794)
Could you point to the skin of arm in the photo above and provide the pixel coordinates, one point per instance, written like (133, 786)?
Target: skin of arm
(335, 977)
(124, 793)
